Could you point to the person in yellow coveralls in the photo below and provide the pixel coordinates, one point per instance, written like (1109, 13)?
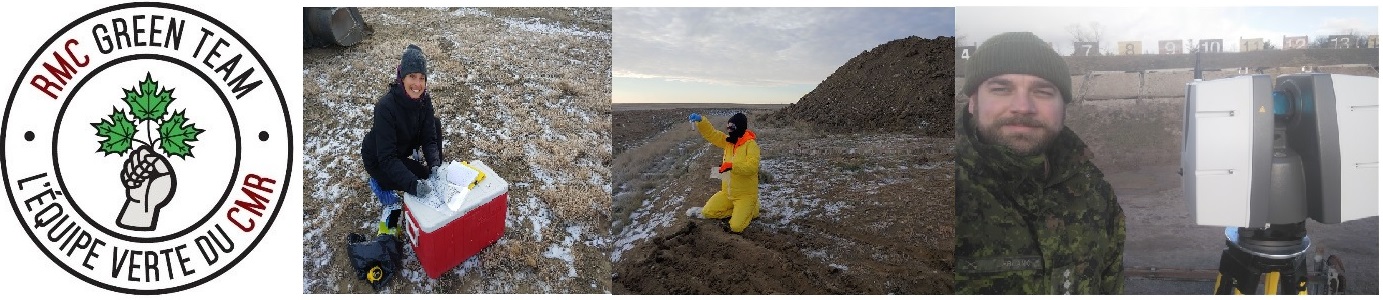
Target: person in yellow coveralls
(738, 197)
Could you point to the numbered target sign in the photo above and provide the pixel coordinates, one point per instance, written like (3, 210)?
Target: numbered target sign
(1373, 41)
(965, 52)
(1131, 48)
(1086, 49)
(1169, 47)
(1246, 45)
(1341, 41)
(1294, 42)
(1212, 45)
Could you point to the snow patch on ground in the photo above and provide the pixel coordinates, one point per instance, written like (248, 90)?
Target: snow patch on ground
(646, 221)
(416, 275)
(537, 25)
(467, 266)
(549, 179)
(786, 199)
(564, 251)
(468, 11)
(322, 156)
(538, 214)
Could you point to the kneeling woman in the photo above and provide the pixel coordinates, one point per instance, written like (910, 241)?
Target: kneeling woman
(738, 198)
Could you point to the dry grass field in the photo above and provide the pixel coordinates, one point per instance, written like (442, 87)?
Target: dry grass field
(524, 90)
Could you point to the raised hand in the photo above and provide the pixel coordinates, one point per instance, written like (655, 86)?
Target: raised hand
(149, 185)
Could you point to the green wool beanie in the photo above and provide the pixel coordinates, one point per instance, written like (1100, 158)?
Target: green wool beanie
(1017, 53)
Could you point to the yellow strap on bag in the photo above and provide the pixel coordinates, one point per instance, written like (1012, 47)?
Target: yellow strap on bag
(374, 275)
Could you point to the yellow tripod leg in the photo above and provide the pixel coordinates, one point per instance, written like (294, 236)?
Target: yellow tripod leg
(1218, 277)
(1301, 288)
(1270, 284)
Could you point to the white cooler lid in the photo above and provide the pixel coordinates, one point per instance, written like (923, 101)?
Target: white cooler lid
(430, 219)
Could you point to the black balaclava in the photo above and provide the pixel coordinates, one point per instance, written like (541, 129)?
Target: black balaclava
(741, 124)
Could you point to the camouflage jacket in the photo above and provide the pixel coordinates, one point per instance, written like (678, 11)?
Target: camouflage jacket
(1046, 224)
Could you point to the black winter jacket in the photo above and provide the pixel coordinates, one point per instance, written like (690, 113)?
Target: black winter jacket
(400, 126)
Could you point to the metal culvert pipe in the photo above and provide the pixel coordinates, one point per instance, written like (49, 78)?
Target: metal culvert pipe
(328, 26)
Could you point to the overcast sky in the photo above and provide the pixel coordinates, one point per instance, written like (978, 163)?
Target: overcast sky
(1149, 25)
(750, 55)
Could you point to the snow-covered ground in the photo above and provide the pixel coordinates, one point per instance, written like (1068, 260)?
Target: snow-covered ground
(524, 90)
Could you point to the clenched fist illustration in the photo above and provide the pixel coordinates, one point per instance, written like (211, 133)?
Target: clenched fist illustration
(149, 185)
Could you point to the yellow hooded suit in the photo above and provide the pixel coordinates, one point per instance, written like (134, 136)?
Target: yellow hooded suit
(738, 197)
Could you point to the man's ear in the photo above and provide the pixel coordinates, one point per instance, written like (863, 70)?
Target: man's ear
(970, 105)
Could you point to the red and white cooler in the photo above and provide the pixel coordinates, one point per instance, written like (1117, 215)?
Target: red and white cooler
(443, 237)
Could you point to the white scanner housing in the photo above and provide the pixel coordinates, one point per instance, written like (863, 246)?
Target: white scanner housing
(1227, 152)
(1336, 132)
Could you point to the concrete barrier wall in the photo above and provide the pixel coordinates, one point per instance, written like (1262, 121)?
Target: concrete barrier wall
(1253, 59)
(1133, 120)
(1103, 85)
(1127, 134)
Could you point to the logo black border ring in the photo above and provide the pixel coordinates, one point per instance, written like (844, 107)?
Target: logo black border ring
(288, 129)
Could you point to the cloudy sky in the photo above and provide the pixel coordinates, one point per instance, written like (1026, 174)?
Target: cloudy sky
(1149, 25)
(750, 55)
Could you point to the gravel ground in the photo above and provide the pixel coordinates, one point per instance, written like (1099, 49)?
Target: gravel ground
(1162, 235)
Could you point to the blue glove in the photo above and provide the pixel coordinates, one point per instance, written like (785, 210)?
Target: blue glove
(694, 117)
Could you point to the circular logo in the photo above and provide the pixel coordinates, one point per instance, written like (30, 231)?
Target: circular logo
(146, 148)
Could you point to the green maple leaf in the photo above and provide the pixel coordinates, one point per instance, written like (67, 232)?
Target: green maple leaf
(147, 102)
(118, 131)
(175, 134)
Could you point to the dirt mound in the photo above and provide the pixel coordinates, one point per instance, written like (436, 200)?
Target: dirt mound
(903, 85)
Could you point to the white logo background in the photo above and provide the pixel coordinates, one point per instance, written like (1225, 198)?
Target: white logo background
(273, 266)
(93, 177)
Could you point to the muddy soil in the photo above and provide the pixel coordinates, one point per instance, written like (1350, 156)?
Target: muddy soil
(840, 214)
